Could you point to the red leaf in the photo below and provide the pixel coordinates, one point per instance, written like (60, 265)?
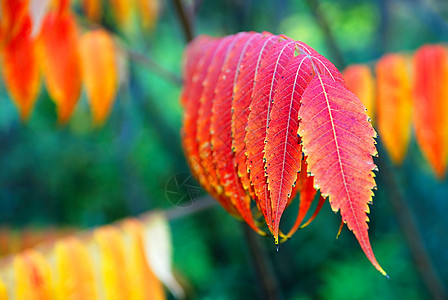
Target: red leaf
(282, 152)
(271, 68)
(21, 70)
(431, 105)
(58, 47)
(305, 187)
(203, 135)
(338, 140)
(191, 94)
(220, 129)
(242, 98)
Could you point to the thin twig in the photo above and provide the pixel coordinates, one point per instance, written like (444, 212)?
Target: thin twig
(410, 231)
(155, 67)
(338, 58)
(184, 19)
(262, 264)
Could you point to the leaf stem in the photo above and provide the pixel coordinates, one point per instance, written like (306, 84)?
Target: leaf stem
(184, 19)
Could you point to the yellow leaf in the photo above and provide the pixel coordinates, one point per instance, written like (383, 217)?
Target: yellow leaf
(75, 275)
(112, 263)
(143, 284)
(32, 276)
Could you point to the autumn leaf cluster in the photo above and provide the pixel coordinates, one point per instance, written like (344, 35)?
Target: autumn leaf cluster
(112, 262)
(266, 117)
(43, 39)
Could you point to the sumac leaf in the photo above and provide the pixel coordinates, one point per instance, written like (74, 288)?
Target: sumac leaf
(99, 72)
(282, 152)
(394, 100)
(21, 69)
(431, 105)
(58, 52)
(243, 93)
(338, 140)
(266, 81)
(360, 81)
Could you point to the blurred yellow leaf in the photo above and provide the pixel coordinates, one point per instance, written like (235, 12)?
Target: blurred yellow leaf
(75, 275)
(158, 249)
(32, 276)
(99, 72)
(149, 12)
(112, 263)
(143, 284)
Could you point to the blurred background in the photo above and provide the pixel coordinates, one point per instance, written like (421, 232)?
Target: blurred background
(79, 176)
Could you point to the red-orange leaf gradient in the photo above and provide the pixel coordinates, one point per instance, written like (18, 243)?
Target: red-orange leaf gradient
(338, 140)
(21, 70)
(431, 105)
(247, 98)
(58, 51)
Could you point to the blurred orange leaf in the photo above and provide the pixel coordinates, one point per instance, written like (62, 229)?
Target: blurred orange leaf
(58, 50)
(99, 72)
(360, 81)
(20, 69)
(431, 105)
(394, 104)
(92, 9)
(76, 278)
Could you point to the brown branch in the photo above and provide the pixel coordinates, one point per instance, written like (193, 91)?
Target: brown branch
(153, 66)
(410, 231)
(262, 264)
(184, 19)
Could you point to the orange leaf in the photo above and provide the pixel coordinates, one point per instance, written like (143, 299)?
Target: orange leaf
(333, 121)
(32, 276)
(92, 9)
(149, 11)
(122, 10)
(99, 72)
(360, 81)
(431, 105)
(394, 105)
(58, 49)
(21, 71)
(76, 278)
